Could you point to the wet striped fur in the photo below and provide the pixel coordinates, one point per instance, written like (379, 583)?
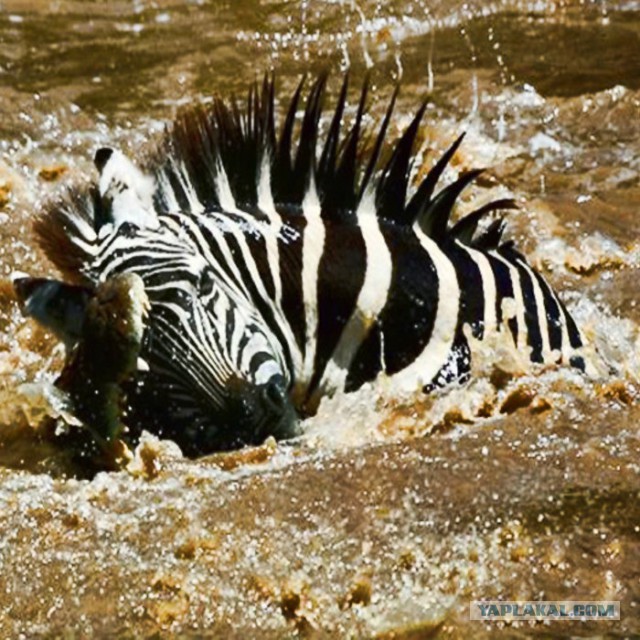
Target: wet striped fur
(285, 260)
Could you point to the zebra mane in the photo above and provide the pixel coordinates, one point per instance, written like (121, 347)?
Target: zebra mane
(219, 144)
(66, 229)
(221, 156)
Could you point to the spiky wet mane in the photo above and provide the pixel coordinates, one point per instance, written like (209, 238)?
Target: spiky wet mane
(243, 142)
(224, 157)
(66, 230)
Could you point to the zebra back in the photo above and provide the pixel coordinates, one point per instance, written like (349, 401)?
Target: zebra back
(311, 205)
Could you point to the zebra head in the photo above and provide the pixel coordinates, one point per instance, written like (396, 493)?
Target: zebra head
(212, 361)
(217, 378)
(210, 373)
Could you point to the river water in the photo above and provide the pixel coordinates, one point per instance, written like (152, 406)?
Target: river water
(391, 513)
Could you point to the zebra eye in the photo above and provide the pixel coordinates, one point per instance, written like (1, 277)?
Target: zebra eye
(127, 229)
(207, 282)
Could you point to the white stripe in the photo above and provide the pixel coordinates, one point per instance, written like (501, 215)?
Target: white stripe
(371, 300)
(185, 182)
(543, 322)
(89, 248)
(521, 338)
(167, 192)
(312, 250)
(267, 206)
(256, 344)
(273, 258)
(83, 228)
(266, 371)
(565, 347)
(488, 288)
(238, 331)
(83, 236)
(437, 351)
(223, 189)
(265, 196)
(271, 232)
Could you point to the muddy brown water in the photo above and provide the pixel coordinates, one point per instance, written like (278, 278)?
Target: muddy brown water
(391, 514)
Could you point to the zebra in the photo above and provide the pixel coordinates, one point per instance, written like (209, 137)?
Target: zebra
(282, 265)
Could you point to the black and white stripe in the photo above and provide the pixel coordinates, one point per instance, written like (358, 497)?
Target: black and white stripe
(296, 266)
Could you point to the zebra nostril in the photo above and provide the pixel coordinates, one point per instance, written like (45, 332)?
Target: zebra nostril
(275, 395)
(280, 419)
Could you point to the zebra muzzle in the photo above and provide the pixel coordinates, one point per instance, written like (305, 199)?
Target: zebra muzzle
(256, 412)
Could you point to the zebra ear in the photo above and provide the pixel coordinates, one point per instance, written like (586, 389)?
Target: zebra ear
(126, 194)
(57, 306)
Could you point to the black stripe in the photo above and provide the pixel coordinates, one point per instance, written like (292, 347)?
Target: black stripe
(472, 299)
(214, 247)
(341, 275)
(248, 280)
(504, 289)
(250, 331)
(229, 330)
(367, 363)
(258, 247)
(574, 334)
(577, 362)
(258, 359)
(534, 334)
(409, 314)
(553, 313)
(290, 241)
(161, 202)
